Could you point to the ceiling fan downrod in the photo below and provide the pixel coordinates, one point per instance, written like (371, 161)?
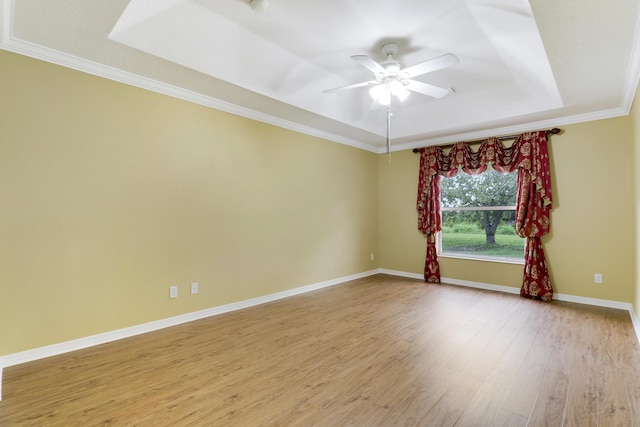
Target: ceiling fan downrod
(389, 131)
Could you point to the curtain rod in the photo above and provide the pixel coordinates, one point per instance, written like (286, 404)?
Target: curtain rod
(553, 131)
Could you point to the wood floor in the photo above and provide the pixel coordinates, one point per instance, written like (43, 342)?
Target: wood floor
(381, 351)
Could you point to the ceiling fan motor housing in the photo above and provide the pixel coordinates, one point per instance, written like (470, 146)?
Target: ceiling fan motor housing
(389, 49)
(391, 65)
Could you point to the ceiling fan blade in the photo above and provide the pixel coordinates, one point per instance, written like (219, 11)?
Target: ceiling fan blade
(437, 63)
(425, 88)
(369, 63)
(353, 86)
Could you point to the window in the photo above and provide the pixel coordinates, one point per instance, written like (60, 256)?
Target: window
(478, 216)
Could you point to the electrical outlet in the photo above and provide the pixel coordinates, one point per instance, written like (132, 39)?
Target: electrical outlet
(597, 278)
(373, 256)
(173, 292)
(194, 288)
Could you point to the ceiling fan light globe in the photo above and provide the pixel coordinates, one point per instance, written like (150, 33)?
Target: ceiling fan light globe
(385, 97)
(398, 90)
(402, 94)
(376, 91)
(396, 87)
(381, 93)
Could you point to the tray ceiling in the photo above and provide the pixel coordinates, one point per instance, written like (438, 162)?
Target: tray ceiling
(523, 65)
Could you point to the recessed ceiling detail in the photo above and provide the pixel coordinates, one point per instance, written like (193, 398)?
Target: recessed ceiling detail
(291, 55)
(522, 64)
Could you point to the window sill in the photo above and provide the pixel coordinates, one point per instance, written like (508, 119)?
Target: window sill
(486, 259)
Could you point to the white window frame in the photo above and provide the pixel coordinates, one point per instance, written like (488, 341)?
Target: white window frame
(503, 260)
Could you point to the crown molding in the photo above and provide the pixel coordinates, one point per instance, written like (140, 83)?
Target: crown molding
(12, 44)
(509, 130)
(79, 64)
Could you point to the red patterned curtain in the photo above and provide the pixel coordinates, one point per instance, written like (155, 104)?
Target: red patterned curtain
(533, 208)
(528, 154)
(429, 221)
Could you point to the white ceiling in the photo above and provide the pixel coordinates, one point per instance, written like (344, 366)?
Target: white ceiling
(524, 65)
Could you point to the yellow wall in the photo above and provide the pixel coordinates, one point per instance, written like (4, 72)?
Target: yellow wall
(592, 219)
(593, 215)
(111, 194)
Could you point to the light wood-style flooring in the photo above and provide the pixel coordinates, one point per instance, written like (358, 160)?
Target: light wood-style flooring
(380, 351)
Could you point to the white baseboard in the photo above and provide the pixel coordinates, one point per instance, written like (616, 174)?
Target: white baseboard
(401, 274)
(479, 285)
(78, 344)
(593, 301)
(635, 321)
(513, 290)
(458, 282)
(90, 341)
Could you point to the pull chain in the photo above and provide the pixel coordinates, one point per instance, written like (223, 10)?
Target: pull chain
(389, 131)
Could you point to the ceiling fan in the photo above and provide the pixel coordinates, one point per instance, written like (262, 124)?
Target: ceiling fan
(391, 77)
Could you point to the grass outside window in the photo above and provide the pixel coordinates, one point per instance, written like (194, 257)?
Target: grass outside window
(474, 244)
